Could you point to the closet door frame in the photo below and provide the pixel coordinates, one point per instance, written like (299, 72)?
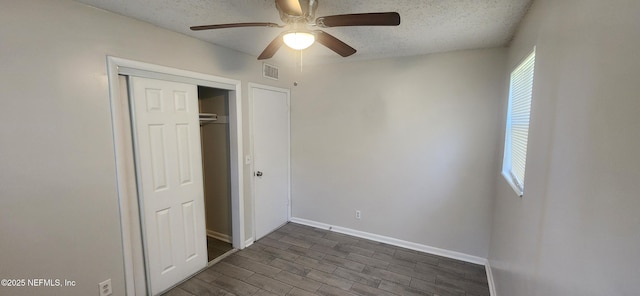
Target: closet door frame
(123, 149)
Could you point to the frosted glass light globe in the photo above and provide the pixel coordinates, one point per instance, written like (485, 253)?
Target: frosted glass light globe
(298, 40)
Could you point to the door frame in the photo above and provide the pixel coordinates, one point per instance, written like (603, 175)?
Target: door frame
(130, 222)
(251, 87)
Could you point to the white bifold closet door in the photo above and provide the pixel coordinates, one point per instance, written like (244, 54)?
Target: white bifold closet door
(169, 174)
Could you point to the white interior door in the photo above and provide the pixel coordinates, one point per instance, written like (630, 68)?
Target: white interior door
(169, 174)
(271, 158)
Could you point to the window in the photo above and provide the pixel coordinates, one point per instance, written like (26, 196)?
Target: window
(517, 131)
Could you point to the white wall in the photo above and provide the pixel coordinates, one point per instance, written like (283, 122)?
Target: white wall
(59, 214)
(411, 142)
(576, 231)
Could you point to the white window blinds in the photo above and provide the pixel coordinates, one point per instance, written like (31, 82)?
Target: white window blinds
(520, 91)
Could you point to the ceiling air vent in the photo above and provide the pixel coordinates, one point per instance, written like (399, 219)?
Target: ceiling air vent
(269, 71)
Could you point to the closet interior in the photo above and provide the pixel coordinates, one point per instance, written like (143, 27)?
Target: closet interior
(214, 132)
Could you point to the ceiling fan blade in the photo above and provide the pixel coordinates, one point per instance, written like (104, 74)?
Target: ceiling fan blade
(235, 25)
(359, 19)
(334, 44)
(272, 48)
(290, 7)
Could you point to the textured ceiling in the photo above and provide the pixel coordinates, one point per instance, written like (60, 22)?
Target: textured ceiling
(428, 26)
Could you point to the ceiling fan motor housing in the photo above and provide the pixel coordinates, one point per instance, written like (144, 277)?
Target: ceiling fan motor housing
(294, 11)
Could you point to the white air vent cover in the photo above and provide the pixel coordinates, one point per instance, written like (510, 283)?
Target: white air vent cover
(269, 71)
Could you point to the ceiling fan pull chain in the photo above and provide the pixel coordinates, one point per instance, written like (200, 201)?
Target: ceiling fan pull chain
(298, 58)
(301, 61)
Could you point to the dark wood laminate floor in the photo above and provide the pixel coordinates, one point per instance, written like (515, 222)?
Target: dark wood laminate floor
(216, 248)
(301, 260)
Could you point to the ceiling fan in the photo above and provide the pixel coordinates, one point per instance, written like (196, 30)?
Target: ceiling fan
(299, 15)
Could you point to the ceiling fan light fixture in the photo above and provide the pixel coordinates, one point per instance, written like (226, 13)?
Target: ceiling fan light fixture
(299, 18)
(298, 40)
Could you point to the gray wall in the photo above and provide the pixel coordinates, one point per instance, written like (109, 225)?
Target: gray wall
(411, 142)
(59, 214)
(576, 231)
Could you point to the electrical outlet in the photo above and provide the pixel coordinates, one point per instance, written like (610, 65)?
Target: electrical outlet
(358, 214)
(105, 288)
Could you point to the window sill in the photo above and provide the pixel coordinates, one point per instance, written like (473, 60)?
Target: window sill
(509, 180)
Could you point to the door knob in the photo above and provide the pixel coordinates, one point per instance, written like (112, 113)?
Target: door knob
(259, 173)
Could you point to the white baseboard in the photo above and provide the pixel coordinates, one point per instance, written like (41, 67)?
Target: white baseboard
(217, 235)
(394, 241)
(249, 242)
(492, 285)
